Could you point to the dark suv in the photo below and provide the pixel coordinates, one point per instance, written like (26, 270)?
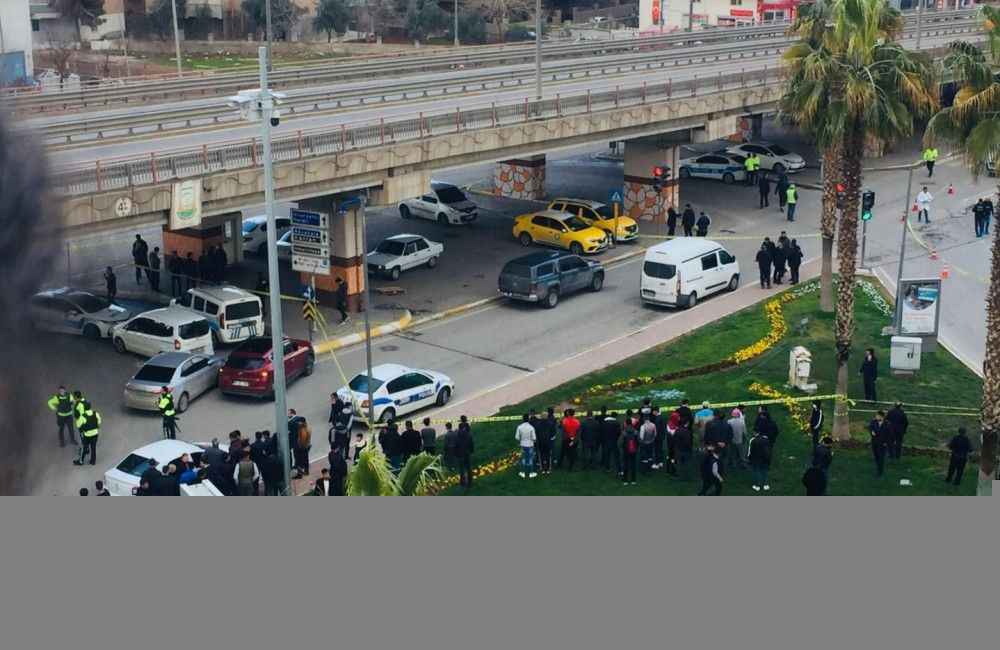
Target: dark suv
(546, 276)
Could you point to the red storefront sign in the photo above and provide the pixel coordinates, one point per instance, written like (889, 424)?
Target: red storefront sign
(786, 6)
(741, 13)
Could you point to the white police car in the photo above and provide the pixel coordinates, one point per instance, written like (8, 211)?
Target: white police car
(719, 166)
(397, 390)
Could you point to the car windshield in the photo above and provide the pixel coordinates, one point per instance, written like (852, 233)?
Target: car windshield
(194, 329)
(89, 303)
(238, 310)
(606, 212)
(779, 150)
(450, 195)
(517, 269)
(154, 373)
(244, 363)
(576, 224)
(360, 384)
(134, 465)
(390, 247)
(248, 227)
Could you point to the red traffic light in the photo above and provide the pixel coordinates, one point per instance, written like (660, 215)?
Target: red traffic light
(840, 187)
(657, 171)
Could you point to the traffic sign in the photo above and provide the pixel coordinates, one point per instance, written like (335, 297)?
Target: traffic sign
(615, 196)
(311, 264)
(310, 242)
(311, 312)
(309, 219)
(304, 235)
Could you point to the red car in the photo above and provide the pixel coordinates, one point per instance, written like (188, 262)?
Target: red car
(249, 370)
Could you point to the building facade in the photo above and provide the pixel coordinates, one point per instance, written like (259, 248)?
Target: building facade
(16, 65)
(672, 15)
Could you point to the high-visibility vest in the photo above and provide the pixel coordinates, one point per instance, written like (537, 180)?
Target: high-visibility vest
(61, 404)
(930, 154)
(791, 195)
(166, 405)
(89, 423)
(78, 405)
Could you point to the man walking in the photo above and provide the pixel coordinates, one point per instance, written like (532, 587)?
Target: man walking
(88, 423)
(880, 433)
(671, 221)
(764, 188)
(781, 190)
(704, 221)
(111, 284)
(960, 447)
(526, 437)
(791, 198)
(900, 423)
(687, 220)
(794, 259)
(153, 272)
(140, 256)
(759, 456)
(930, 157)
(924, 199)
(711, 474)
(987, 214)
(62, 405)
(764, 266)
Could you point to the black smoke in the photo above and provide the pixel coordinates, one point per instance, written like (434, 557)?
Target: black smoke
(29, 219)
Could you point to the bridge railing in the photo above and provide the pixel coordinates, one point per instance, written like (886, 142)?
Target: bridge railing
(169, 166)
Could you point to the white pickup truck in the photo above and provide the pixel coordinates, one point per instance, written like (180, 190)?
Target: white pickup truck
(445, 203)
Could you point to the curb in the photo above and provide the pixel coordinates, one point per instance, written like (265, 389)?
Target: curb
(351, 339)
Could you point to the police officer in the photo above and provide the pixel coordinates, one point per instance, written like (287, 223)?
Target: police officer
(791, 198)
(78, 400)
(169, 414)
(62, 405)
(930, 157)
(88, 423)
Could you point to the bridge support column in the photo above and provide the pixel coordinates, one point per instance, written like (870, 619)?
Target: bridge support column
(640, 199)
(520, 178)
(346, 249)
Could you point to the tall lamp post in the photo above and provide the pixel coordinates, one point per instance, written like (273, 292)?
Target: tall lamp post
(267, 21)
(456, 23)
(538, 49)
(177, 37)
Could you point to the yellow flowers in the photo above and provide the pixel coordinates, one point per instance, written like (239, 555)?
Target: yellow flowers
(776, 319)
(482, 471)
(795, 409)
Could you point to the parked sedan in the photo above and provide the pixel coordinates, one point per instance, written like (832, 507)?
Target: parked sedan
(398, 390)
(72, 311)
(725, 167)
(772, 156)
(445, 203)
(559, 229)
(124, 478)
(249, 370)
(188, 376)
(401, 253)
(162, 330)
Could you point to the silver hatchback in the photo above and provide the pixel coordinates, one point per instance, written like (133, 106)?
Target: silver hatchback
(188, 376)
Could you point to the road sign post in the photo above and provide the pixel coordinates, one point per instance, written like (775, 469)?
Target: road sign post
(615, 199)
(310, 242)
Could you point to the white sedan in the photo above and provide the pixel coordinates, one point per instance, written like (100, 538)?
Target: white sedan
(124, 477)
(397, 390)
(72, 311)
(772, 156)
(713, 165)
(403, 252)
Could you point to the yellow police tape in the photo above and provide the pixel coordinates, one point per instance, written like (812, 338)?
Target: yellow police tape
(729, 237)
(948, 414)
(919, 405)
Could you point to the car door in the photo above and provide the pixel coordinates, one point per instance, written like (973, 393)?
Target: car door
(711, 273)
(396, 391)
(539, 229)
(160, 338)
(558, 233)
(428, 205)
(421, 390)
(410, 258)
(572, 274)
(196, 376)
(423, 253)
(137, 335)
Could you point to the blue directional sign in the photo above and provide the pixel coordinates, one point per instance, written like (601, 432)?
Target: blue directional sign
(308, 219)
(615, 196)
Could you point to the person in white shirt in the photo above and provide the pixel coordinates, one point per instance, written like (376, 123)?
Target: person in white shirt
(526, 436)
(924, 205)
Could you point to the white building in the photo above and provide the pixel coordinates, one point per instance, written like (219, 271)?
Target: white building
(673, 15)
(15, 42)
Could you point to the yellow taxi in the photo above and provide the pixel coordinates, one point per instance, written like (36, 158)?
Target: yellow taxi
(600, 216)
(559, 229)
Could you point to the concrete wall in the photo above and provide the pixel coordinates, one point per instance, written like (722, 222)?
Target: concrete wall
(16, 62)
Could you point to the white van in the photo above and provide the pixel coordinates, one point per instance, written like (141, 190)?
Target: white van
(234, 314)
(170, 329)
(680, 271)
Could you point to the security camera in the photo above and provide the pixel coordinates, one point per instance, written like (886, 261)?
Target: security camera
(275, 117)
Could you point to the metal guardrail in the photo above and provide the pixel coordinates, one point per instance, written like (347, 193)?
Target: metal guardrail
(221, 83)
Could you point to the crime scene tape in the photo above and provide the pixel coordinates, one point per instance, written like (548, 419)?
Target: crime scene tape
(920, 405)
(730, 237)
(947, 414)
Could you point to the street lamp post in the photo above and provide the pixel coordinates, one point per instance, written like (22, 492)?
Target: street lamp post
(897, 319)
(456, 23)
(920, 20)
(367, 306)
(538, 49)
(177, 37)
(267, 21)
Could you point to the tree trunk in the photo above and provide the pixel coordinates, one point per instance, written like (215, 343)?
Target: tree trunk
(847, 253)
(828, 223)
(990, 417)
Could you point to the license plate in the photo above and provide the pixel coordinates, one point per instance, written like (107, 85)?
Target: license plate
(244, 384)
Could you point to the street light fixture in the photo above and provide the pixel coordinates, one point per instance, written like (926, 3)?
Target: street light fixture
(260, 105)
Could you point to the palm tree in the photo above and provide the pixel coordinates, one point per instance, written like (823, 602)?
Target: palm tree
(972, 123)
(850, 80)
(372, 476)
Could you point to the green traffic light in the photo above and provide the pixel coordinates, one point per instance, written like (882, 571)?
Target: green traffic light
(866, 215)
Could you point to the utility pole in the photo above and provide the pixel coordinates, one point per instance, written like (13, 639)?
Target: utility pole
(690, 15)
(368, 305)
(920, 20)
(456, 23)
(267, 20)
(125, 40)
(266, 102)
(177, 38)
(897, 320)
(538, 49)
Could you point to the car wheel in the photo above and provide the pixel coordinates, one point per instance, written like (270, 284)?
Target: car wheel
(524, 238)
(394, 273)
(552, 299)
(685, 172)
(692, 300)
(183, 402)
(404, 212)
(387, 415)
(728, 178)
(91, 331)
(310, 365)
(444, 396)
(443, 219)
(778, 168)
(576, 248)
(734, 283)
(120, 345)
(597, 283)
(432, 262)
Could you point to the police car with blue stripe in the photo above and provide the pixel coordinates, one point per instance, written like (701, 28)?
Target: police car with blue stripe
(397, 390)
(718, 166)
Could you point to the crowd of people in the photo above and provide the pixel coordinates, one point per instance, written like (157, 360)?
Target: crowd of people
(691, 224)
(185, 272)
(776, 259)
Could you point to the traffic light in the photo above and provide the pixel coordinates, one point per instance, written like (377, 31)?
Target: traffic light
(661, 174)
(867, 203)
(841, 196)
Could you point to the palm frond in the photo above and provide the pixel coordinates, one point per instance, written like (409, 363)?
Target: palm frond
(983, 144)
(417, 474)
(984, 101)
(372, 475)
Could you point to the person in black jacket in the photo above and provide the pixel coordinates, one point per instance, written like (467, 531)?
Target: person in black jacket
(764, 187)
(816, 422)
(704, 221)
(711, 473)
(718, 435)
(338, 472)
(869, 374)
(464, 448)
(611, 430)
(960, 447)
(823, 455)
(759, 457)
(764, 266)
(794, 259)
(590, 435)
(687, 221)
(781, 190)
(671, 221)
(684, 448)
(814, 481)
(778, 256)
(391, 445)
(881, 433)
(411, 441)
(900, 423)
(765, 425)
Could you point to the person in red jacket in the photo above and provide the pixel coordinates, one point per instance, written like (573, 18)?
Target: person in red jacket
(570, 438)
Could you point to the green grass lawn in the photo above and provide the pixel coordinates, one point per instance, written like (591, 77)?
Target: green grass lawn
(942, 380)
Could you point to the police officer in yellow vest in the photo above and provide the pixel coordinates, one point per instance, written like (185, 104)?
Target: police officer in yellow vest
(62, 405)
(751, 165)
(930, 157)
(88, 423)
(792, 197)
(166, 406)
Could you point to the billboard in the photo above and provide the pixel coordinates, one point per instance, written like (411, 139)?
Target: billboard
(185, 208)
(920, 311)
